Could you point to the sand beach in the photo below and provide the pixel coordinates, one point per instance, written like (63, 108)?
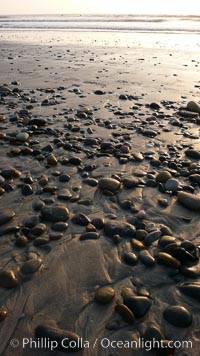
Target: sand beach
(99, 192)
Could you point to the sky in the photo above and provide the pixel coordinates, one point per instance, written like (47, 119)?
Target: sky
(185, 7)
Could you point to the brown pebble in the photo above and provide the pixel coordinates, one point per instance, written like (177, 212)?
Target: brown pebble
(8, 279)
(2, 191)
(3, 313)
(41, 241)
(31, 266)
(109, 184)
(2, 117)
(6, 216)
(104, 295)
(141, 234)
(168, 260)
(52, 160)
(90, 228)
(163, 176)
(21, 241)
(38, 230)
(137, 245)
(11, 172)
(43, 181)
(125, 313)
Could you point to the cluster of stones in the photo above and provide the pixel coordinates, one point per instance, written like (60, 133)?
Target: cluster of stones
(169, 251)
(134, 307)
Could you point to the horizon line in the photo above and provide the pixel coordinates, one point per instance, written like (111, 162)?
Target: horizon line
(102, 14)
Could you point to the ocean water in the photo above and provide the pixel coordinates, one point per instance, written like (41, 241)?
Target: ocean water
(129, 23)
(171, 32)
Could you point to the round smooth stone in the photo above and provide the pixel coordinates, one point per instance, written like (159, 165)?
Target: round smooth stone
(39, 121)
(166, 230)
(109, 184)
(64, 194)
(130, 182)
(172, 185)
(127, 292)
(75, 161)
(99, 92)
(104, 295)
(170, 248)
(138, 305)
(130, 258)
(59, 226)
(91, 228)
(90, 236)
(138, 156)
(182, 255)
(149, 133)
(146, 258)
(141, 214)
(152, 237)
(98, 223)
(31, 221)
(55, 236)
(123, 97)
(91, 182)
(163, 176)
(125, 149)
(89, 141)
(39, 229)
(178, 315)
(52, 334)
(3, 313)
(6, 216)
(190, 272)
(165, 350)
(153, 333)
(193, 106)
(189, 201)
(80, 219)
(195, 178)
(23, 136)
(21, 241)
(151, 183)
(55, 213)
(15, 151)
(168, 260)
(64, 178)
(8, 279)
(192, 289)
(192, 153)
(166, 240)
(141, 234)
(163, 202)
(2, 117)
(51, 159)
(2, 180)
(27, 189)
(39, 241)
(31, 266)
(106, 146)
(137, 245)
(11, 173)
(125, 313)
(121, 228)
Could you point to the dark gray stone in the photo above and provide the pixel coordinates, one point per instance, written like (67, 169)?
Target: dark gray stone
(123, 229)
(178, 315)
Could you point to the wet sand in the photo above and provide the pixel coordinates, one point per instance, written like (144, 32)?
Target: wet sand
(70, 117)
